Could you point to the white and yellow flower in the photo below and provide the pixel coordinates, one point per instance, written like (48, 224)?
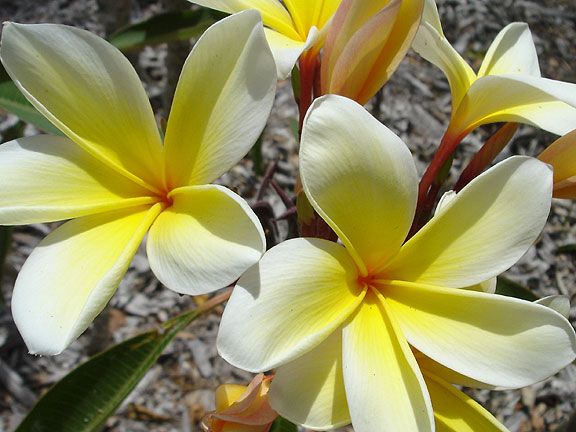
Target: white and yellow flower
(508, 86)
(113, 176)
(561, 154)
(292, 26)
(339, 322)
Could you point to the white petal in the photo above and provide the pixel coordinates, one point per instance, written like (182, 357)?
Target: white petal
(368, 197)
(222, 101)
(287, 51)
(300, 292)
(71, 275)
(90, 91)
(205, 240)
(46, 178)
(310, 391)
(559, 303)
(488, 226)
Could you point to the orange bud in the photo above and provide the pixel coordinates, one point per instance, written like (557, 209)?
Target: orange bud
(242, 408)
(561, 154)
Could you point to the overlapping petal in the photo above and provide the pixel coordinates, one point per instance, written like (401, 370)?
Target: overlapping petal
(541, 102)
(376, 185)
(309, 13)
(205, 240)
(274, 15)
(89, 90)
(72, 273)
(301, 291)
(310, 390)
(561, 154)
(455, 411)
(527, 342)
(222, 101)
(47, 178)
(511, 52)
(384, 385)
(486, 228)
(286, 51)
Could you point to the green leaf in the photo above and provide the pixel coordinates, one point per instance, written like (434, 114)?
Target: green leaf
(283, 425)
(510, 288)
(569, 248)
(166, 27)
(13, 101)
(256, 156)
(87, 396)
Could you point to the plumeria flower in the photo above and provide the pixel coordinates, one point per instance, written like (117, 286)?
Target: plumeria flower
(116, 180)
(365, 43)
(561, 154)
(339, 322)
(292, 26)
(242, 408)
(508, 86)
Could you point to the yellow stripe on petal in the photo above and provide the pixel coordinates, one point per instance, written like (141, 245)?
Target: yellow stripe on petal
(274, 15)
(310, 391)
(455, 411)
(497, 340)
(89, 90)
(205, 240)
(46, 178)
(384, 386)
(224, 95)
(69, 278)
(293, 299)
(484, 230)
(286, 51)
(512, 52)
(368, 197)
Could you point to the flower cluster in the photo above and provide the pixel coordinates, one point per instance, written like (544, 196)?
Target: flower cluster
(373, 329)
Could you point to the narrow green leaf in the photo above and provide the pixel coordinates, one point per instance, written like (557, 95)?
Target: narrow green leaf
(87, 396)
(166, 27)
(513, 289)
(257, 158)
(13, 101)
(283, 425)
(569, 248)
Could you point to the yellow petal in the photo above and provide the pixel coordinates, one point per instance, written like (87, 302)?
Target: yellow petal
(227, 394)
(71, 275)
(300, 292)
(486, 228)
(561, 154)
(310, 13)
(541, 102)
(310, 391)
(500, 341)
(368, 197)
(274, 15)
(89, 90)
(46, 178)
(455, 411)
(384, 386)
(429, 366)
(286, 51)
(512, 52)
(205, 240)
(222, 101)
(431, 44)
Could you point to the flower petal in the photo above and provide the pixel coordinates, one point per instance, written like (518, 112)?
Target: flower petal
(71, 275)
(455, 411)
(310, 390)
(205, 240)
(274, 15)
(487, 227)
(431, 44)
(512, 52)
(355, 191)
(559, 303)
(429, 366)
(89, 90)
(541, 102)
(286, 51)
(384, 386)
(561, 154)
(46, 178)
(527, 342)
(300, 292)
(222, 101)
(311, 13)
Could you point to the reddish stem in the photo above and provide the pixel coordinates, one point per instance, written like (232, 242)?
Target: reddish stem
(308, 70)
